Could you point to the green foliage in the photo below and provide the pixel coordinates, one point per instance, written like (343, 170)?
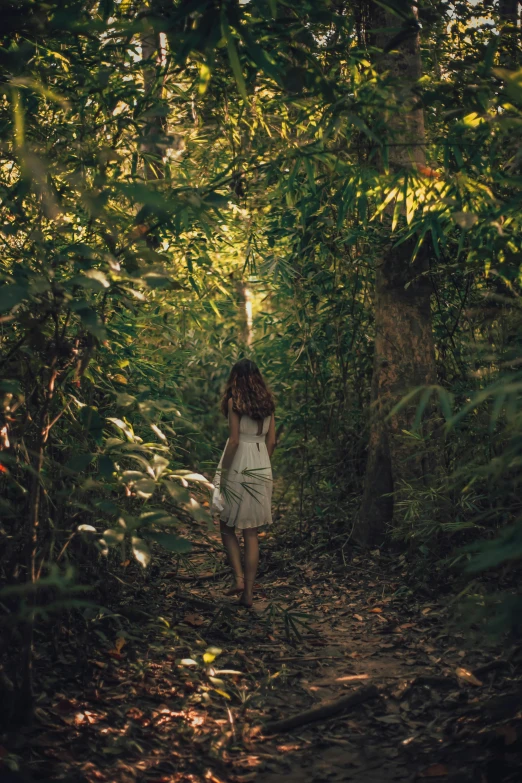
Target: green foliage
(142, 192)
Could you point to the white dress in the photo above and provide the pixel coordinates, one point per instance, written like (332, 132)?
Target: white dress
(247, 499)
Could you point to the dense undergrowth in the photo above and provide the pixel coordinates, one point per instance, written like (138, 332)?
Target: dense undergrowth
(183, 185)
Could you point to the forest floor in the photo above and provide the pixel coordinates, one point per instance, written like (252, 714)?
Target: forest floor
(180, 685)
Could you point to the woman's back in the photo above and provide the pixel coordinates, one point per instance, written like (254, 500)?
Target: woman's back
(249, 426)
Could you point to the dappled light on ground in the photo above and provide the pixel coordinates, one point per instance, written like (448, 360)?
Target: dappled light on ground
(194, 696)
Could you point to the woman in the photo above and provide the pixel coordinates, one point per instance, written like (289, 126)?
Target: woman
(243, 480)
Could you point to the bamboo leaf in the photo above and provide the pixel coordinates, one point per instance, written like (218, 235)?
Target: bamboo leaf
(234, 59)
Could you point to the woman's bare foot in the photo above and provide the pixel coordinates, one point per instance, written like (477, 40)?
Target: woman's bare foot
(246, 600)
(236, 588)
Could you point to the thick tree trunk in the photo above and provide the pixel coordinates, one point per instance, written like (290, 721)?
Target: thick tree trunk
(404, 351)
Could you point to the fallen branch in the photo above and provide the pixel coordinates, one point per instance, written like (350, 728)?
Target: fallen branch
(326, 710)
(498, 663)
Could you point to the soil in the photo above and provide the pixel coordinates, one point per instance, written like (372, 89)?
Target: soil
(176, 684)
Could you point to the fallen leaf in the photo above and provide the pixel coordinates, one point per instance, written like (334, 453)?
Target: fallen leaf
(467, 676)
(376, 610)
(116, 650)
(120, 642)
(194, 620)
(65, 705)
(435, 771)
(99, 664)
(359, 618)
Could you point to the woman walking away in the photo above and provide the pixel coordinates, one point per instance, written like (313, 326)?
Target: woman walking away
(243, 482)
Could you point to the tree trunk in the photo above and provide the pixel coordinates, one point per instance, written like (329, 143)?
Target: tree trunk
(245, 313)
(153, 141)
(404, 352)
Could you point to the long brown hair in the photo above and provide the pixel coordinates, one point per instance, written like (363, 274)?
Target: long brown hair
(249, 393)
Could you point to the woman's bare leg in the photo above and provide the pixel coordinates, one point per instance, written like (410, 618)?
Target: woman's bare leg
(231, 544)
(251, 561)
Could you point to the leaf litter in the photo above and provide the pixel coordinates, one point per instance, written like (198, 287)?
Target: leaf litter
(319, 683)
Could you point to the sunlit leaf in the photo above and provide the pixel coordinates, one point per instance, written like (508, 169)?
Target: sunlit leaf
(113, 537)
(211, 654)
(141, 551)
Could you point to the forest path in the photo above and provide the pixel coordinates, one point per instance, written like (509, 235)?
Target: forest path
(150, 702)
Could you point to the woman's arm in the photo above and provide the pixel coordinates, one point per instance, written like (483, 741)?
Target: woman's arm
(270, 438)
(233, 443)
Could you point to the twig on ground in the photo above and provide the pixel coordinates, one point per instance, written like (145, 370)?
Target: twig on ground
(322, 711)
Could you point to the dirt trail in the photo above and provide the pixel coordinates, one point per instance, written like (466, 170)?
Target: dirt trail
(177, 688)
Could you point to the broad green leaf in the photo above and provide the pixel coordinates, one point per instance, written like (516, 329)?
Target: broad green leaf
(92, 421)
(78, 462)
(170, 542)
(158, 517)
(113, 537)
(180, 493)
(145, 487)
(106, 466)
(93, 323)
